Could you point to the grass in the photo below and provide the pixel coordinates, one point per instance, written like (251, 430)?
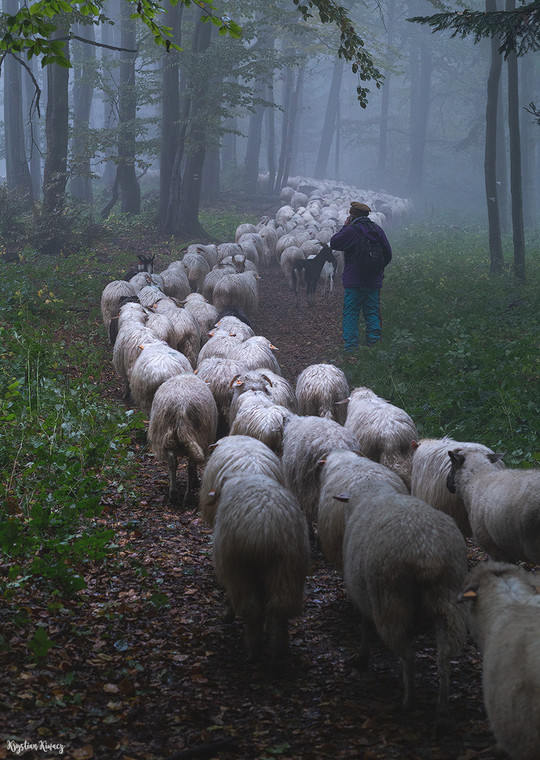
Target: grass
(461, 349)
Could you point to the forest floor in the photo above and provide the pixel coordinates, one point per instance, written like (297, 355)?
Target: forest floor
(143, 668)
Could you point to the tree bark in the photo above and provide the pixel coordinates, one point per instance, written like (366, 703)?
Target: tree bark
(419, 120)
(17, 171)
(33, 132)
(385, 98)
(271, 137)
(529, 143)
(253, 149)
(330, 118)
(109, 61)
(518, 234)
(56, 127)
(490, 155)
(83, 89)
(170, 114)
(130, 193)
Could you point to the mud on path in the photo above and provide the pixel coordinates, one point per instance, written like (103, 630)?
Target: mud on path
(144, 669)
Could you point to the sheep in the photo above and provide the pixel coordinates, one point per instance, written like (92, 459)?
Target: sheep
(430, 468)
(385, 432)
(305, 441)
(242, 229)
(237, 290)
(345, 471)
(311, 269)
(287, 262)
(234, 326)
(228, 249)
(140, 281)
(319, 389)
(154, 365)
(404, 563)
(197, 268)
(110, 299)
(285, 241)
(503, 506)
(133, 312)
(256, 353)
(233, 456)
(261, 557)
(503, 603)
(175, 282)
(219, 374)
(183, 422)
(127, 349)
(145, 264)
(221, 344)
(257, 416)
(212, 278)
(327, 277)
(203, 312)
(185, 334)
(209, 252)
(150, 295)
(263, 379)
(249, 249)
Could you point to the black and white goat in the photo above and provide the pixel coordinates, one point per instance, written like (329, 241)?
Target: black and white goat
(310, 270)
(146, 264)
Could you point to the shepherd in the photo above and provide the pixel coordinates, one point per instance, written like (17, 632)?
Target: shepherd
(367, 253)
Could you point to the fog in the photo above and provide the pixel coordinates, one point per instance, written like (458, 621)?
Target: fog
(267, 103)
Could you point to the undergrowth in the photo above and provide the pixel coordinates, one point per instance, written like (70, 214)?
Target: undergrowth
(460, 349)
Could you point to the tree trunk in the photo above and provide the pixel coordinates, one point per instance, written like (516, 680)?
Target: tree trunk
(419, 120)
(130, 194)
(109, 62)
(502, 163)
(518, 234)
(296, 113)
(385, 97)
(271, 137)
(83, 89)
(170, 114)
(490, 155)
(33, 133)
(529, 143)
(251, 166)
(187, 223)
(17, 172)
(285, 126)
(329, 127)
(56, 127)
(210, 179)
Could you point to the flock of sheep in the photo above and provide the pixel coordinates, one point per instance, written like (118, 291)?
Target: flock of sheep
(391, 513)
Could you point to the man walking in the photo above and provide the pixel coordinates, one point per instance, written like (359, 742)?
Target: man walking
(367, 252)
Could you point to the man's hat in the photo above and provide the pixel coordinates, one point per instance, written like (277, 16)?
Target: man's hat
(359, 209)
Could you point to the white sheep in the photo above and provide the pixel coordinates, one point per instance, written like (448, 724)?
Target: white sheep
(231, 456)
(345, 472)
(305, 441)
(319, 388)
(140, 280)
(404, 563)
(256, 353)
(127, 349)
(258, 417)
(288, 259)
(503, 506)
(238, 290)
(503, 602)
(385, 432)
(276, 387)
(221, 344)
(213, 277)
(430, 469)
(175, 282)
(185, 334)
(155, 364)
(260, 553)
(220, 374)
(110, 299)
(203, 312)
(235, 327)
(183, 422)
(197, 268)
(242, 229)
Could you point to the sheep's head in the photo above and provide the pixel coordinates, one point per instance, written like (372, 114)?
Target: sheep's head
(457, 459)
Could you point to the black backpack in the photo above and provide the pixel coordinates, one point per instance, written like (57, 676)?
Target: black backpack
(369, 254)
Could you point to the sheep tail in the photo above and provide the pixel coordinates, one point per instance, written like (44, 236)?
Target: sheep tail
(195, 452)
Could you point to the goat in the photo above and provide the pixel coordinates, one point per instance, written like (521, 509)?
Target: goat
(311, 269)
(146, 264)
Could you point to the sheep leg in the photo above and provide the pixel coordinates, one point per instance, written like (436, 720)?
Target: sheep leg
(408, 664)
(278, 636)
(172, 462)
(254, 631)
(443, 721)
(192, 483)
(360, 661)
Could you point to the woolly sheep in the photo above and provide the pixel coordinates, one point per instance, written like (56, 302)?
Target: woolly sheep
(227, 249)
(129, 311)
(235, 327)
(185, 334)
(405, 563)
(175, 282)
(203, 312)
(430, 469)
(318, 389)
(274, 386)
(237, 290)
(503, 506)
(197, 268)
(256, 353)
(127, 349)
(288, 259)
(212, 278)
(242, 229)
(150, 295)
(221, 344)
(258, 417)
(385, 432)
(219, 374)
(261, 557)
(155, 364)
(110, 299)
(140, 280)
(209, 252)
(349, 472)
(231, 456)
(183, 422)
(305, 441)
(285, 241)
(503, 602)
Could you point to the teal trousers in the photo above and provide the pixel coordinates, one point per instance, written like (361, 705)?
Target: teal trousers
(366, 301)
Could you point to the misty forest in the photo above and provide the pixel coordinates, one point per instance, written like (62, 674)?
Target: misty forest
(226, 531)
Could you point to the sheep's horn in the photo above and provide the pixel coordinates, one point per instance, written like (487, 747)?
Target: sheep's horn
(342, 497)
(343, 401)
(265, 377)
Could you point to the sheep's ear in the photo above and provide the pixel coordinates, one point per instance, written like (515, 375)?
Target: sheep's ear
(467, 596)
(321, 461)
(414, 445)
(494, 458)
(343, 497)
(273, 348)
(234, 381)
(456, 457)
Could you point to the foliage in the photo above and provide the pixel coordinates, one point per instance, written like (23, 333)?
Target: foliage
(518, 29)
(63, 445)
(460, 349)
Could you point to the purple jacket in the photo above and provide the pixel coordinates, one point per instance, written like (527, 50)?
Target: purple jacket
(346, 239)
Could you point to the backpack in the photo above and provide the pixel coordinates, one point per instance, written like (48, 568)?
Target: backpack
(369, 255)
